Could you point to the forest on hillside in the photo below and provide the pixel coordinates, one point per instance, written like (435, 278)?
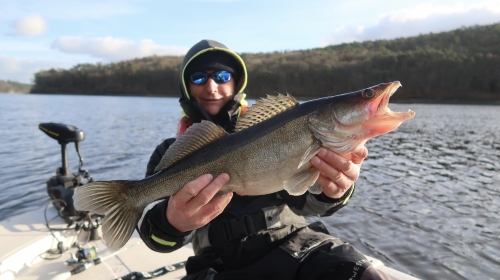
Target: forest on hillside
(14, 87)
(459, 66)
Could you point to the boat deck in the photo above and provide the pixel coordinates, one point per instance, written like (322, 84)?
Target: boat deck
(30, 251)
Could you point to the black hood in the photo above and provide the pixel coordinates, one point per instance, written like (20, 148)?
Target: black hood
(229, 113)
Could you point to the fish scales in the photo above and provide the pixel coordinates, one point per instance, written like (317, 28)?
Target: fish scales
(257, 161)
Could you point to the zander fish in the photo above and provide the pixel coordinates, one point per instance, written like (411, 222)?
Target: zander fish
(269, 151)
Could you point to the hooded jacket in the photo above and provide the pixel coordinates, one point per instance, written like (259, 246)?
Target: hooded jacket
(229, 114)
(154, 228)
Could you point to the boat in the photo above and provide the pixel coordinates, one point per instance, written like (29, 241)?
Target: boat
(57, 242)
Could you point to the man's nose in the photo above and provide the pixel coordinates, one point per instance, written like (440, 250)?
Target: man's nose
(211, 86)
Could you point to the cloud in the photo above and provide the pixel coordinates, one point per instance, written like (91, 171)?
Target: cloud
(422, 19)
(114, 49)
(30, 26)
(22, 70)
(71, 10)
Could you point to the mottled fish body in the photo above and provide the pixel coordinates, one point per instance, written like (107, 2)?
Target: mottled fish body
(269, 151)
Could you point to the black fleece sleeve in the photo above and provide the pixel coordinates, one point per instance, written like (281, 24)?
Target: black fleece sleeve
(158, 234)
(316, 204)
(155, 230)
(157, 155)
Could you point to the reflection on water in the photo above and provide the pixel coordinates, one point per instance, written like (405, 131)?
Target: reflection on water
(427, 202)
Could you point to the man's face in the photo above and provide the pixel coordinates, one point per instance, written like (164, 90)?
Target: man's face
(212, 96)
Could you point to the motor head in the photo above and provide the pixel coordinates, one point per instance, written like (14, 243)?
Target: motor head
(62, 132)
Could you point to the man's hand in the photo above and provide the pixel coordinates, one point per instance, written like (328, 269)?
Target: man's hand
(192, 206)
(338, 173)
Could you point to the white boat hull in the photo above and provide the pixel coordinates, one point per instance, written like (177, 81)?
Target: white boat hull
(25, 240)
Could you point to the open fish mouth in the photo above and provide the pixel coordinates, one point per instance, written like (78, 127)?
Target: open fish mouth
(382, 118)
(382, 108)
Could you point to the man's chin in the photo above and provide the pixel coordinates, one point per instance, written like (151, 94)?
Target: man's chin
(212, 109)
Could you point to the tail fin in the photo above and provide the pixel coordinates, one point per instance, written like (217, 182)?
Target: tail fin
(110, 199)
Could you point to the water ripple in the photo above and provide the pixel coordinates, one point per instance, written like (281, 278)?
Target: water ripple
(427, 201)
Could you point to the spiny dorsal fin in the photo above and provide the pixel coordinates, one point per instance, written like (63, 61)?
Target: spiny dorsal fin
(264, 109)
(197, 136)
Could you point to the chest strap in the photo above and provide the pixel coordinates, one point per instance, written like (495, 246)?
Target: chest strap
(222, 232)
(269, 218)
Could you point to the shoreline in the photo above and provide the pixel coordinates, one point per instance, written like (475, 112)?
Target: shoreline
(299, 98)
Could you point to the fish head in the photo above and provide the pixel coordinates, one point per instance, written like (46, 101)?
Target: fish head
(368, 109)
(349, 120)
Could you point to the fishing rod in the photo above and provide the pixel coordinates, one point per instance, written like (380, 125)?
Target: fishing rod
(153, 274)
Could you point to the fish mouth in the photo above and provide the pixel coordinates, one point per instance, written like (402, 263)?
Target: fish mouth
(382, 108)
(382, 118)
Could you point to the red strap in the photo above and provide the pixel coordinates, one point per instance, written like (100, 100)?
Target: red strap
(243, 109)
(183, 125)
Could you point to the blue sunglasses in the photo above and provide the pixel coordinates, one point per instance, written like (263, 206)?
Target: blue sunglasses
(220, 77)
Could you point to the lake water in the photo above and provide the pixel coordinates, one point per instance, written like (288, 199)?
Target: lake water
(427, 202)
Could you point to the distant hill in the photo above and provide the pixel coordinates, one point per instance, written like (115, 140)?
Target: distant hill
(14, 87)
(459, 66)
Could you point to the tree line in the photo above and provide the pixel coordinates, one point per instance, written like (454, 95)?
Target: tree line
(461, 66)
(14, 87)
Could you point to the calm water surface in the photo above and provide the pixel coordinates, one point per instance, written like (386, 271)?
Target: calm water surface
(427, 202)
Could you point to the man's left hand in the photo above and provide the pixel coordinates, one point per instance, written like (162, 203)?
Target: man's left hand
(338, 173)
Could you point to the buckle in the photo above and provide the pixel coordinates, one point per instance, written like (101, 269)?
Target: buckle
(272, 216)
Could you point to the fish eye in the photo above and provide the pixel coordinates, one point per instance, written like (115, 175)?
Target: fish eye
(368, 93)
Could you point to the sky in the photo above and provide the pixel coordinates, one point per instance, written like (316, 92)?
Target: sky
(45, 34)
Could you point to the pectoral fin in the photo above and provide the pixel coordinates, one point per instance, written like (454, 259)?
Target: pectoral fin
(311, 151)
(316, 189)
(300, 182)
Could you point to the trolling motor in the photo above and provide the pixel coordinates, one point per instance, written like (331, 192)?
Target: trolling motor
(61, 186)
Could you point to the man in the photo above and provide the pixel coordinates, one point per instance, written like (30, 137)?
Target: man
(233, 236)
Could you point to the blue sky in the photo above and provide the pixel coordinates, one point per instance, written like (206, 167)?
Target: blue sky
(45, 34)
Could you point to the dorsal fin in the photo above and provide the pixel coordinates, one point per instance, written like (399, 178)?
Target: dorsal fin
(197, 136)
(264, 109)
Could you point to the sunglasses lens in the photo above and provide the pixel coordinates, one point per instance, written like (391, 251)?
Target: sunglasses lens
(199, 78)
(221, 77)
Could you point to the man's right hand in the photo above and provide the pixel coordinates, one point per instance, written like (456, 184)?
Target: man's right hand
(194, 205)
